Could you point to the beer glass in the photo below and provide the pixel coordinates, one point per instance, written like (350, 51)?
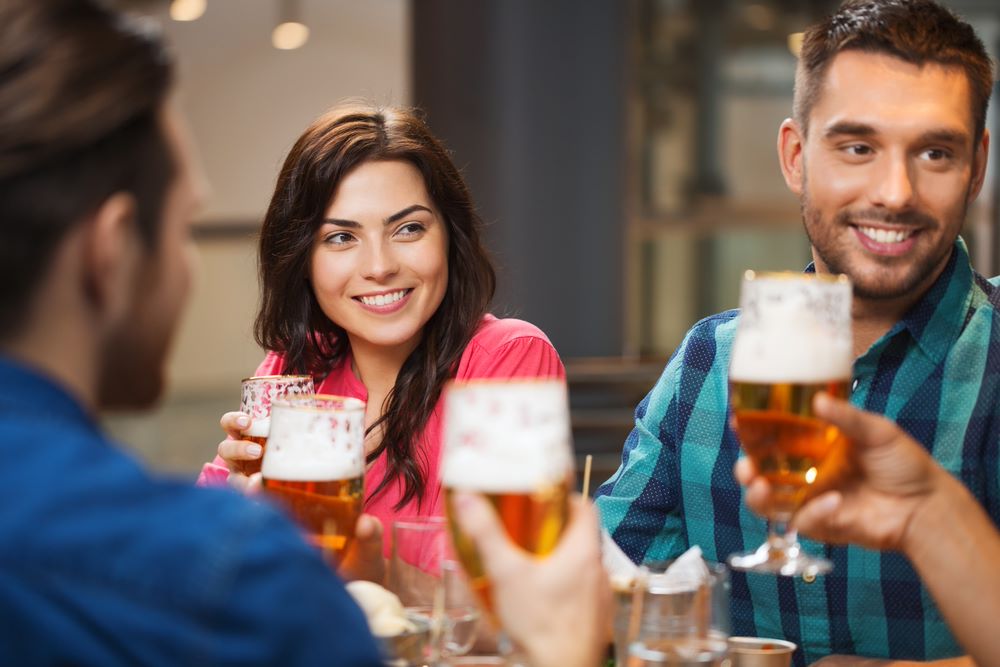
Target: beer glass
(793, 340)
(679, 623)
(429, 582)
(314, 467)
(510, 441)
(256, 395)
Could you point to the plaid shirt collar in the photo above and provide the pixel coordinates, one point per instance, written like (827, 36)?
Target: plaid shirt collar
(936, 319)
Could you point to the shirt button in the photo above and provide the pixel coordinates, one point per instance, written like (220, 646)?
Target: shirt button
(809, 577)
(854, 385)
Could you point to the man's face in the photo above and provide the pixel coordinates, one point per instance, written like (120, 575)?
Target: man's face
(886, 172)
(136, 351)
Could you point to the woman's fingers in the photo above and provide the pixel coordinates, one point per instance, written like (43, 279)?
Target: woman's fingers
(239, 450)
(235, 424)
(248, 486)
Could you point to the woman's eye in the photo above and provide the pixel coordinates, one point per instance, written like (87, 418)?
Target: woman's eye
(339, 238)
(410, 229)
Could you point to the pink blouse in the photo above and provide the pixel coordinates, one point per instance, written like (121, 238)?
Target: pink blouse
(500, 348)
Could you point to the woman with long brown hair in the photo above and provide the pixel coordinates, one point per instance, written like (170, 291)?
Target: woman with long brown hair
(374, 281)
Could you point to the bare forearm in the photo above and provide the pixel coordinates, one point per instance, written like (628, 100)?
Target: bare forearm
(955, 548)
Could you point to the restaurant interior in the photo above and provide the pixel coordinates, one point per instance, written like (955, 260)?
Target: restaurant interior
(622, 154)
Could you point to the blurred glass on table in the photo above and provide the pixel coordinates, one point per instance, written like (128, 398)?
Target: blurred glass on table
(314, 467)
(678, 621)
(793, 340)
(256, 396)
(430, 584)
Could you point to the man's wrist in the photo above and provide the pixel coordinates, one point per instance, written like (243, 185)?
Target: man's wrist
(933, 513)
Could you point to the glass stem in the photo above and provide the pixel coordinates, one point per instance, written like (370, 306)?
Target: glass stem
(512, 655)
(782, 537)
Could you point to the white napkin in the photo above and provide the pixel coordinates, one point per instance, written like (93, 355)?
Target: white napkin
(686, 573)
(383, 610)
(620, 568)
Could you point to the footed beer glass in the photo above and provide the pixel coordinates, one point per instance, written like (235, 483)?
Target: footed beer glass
(793, 340)
(510, 441)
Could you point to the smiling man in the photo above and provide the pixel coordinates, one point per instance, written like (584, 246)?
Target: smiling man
(886, 150)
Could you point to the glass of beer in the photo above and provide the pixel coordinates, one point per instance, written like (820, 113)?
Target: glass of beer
(314, 467)
(510, 441)
(256, 395)
(793, 341)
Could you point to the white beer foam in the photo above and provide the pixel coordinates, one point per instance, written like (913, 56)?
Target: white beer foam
(259, 428)
(508, 436)
(307, 445)
(787, 341)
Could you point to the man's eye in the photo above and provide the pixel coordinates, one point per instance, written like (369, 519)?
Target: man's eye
(936, 154)
(858, 149)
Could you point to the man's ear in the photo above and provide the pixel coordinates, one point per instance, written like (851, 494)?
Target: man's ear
(111, 255)
(791, 142)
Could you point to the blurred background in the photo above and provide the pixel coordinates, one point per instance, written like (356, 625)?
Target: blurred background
(622, 153)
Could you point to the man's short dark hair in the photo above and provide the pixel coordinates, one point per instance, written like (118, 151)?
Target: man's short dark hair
(917, 31)
(81, 90)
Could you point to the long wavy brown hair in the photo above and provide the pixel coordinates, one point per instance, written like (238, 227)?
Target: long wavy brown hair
(290, 320)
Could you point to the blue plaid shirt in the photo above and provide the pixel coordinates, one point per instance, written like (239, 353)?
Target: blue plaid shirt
(936, 373)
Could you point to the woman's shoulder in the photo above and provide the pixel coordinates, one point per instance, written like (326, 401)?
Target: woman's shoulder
(273, 364)
(509, 347)
(495, 332)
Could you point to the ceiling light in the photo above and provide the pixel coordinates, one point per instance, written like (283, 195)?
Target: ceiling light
(187, 10)
(289, 35)
(291, 32)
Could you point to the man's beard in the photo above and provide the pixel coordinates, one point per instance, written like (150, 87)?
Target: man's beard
(888, 283)
(134, 355)
(132, 372)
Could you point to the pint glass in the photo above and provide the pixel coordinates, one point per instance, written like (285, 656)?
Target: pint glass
(256, 395)
(314, 467)
(793, 341)
(510, 441)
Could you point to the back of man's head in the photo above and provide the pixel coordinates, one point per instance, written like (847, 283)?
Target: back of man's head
(81, 89)
(917, 31)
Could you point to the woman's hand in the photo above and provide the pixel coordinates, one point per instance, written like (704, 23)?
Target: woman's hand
(234, 450)
(363, 559)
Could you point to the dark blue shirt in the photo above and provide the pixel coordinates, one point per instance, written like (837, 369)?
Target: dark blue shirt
(102, 564)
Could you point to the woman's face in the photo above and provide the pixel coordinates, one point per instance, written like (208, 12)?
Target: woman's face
(379, 265)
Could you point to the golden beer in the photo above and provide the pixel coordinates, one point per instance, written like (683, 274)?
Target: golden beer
(534, 521)
(510, 441)
(793, 340)
(327, 510)
(256, 395)
(251, 466)
(314, 468)
(791, 447)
